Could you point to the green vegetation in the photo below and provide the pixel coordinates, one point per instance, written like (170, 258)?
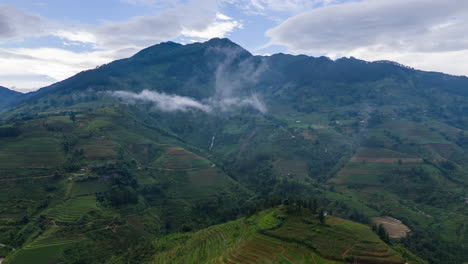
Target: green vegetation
(86, 177)
(275, 236)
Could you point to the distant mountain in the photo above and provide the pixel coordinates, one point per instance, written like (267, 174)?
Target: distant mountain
(8, 97)
(103, 166)
(220, 68)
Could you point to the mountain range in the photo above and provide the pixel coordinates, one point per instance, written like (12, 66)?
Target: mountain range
(210, 152)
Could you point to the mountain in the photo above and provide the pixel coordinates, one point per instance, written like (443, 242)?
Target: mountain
(110, 162)
(8, 97)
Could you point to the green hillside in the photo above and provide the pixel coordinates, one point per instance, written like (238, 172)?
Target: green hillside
(278, 236)
(103, 176)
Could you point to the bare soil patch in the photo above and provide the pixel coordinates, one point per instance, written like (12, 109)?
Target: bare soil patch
(394, 227)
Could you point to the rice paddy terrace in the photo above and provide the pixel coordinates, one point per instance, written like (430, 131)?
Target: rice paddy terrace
(276, 236)
(68, 223)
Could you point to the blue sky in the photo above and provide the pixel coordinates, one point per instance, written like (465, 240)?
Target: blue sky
(45, 41)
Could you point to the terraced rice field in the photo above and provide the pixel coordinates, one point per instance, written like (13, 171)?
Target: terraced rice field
(99, 148)
(275, 237)
(49, 239)
(72, 209)
(265, 249)
(382, 156)
(201, 247)
(272, 237)
(176, 158)
(340, 240)
(36, 152)
(49, 254)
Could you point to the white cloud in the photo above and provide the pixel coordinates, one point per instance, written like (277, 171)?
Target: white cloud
(222, 26)
(56, 64)
(21, 84)
(164, 102)
(195, 19)
(452, 62)
(80, 36)
(420, 33)
(171, 102)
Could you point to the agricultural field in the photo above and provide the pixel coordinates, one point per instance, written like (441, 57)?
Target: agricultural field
(48, 254)
(383, 156)
(278, 236)
(394, 227)
(72, 209)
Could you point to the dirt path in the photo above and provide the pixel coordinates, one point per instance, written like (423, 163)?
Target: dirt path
(247, 141)
(347, 250)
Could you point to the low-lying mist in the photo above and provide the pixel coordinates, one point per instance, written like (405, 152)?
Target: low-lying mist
(170, 102)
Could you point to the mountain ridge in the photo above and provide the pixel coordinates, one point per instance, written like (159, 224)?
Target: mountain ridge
(164, 49)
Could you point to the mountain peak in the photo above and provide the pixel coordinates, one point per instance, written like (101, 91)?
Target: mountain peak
(157, 49)
(221, 42)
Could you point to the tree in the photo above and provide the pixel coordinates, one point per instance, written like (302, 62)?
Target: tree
(73, 117)
(322, 217)
(383, 233)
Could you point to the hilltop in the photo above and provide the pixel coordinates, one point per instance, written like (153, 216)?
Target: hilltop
(281, 235)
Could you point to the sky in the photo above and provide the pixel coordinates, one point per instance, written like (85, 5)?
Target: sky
(46, 41)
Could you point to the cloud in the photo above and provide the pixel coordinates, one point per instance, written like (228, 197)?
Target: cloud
(139, 2)
(198, 19)
(220, 27)
(398, 29)
(24, 83)
(236, 78)
(16, 23)
(264, 7)
(56, 64)
(227, 104)
(163, 102)
(153, 3)
(80, 36)
(172, 103)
